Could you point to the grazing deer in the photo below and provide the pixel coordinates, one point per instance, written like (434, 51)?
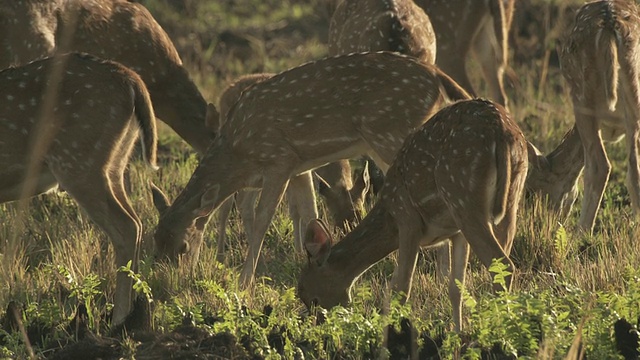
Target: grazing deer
(111, 29)
(477, 26)
(298, 120)
(459, 177)
(599, 59)
(67, 121)
(246, 200)
(555, 176)
(370, 25)
(338, 190)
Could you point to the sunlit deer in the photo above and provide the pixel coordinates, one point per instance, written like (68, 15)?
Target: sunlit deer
(599, 59)
(395, 25)
(371, 25)
(68, 121)
(111, 29)
(298, 120)
(459, 177)
(479, 27)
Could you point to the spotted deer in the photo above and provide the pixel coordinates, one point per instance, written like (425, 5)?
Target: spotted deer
(599, 59)
(246, 200)
(382, 25)
(27, 30)
(479, 27)
(338, 190)
(68, 121)
(298, 120)
(111, 29)
(371, 25)
(460, 178)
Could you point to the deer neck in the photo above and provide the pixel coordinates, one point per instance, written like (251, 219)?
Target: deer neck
(179, 104)
(372, 240)
(567, 160)
(218, 176)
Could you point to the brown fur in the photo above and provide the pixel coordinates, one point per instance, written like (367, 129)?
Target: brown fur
(50, 135)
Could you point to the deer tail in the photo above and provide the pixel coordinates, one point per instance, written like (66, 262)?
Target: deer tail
(143, 110)
(607, 63)
(503, 180)
(451, 88)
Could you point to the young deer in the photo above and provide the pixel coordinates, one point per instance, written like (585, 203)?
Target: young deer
(599, 59)
(459, 177)
(303, 118)
(116, 30)
(67, 121)
(477, 26)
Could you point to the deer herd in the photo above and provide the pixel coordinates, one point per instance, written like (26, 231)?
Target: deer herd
(83, 78)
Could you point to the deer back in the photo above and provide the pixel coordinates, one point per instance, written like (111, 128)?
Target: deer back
(83, 116)
(327, 105)
(382, 25)
(27, 30)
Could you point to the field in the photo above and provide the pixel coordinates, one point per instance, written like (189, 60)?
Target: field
(573, 296)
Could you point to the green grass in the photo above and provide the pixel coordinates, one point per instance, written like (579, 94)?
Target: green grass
(567, 285)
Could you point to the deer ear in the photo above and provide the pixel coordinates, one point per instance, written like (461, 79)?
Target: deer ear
(317, 241)
(212, 119)
(536, 159)
(361, 185)
(160, 200)
(207, 201)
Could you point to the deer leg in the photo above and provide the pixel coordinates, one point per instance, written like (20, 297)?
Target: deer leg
(272, 191)
(409, 237)
(489, 54)
(223, 216)
(633, 170)
(596, 165)
(632, 131)
(107, 205)
(302, 206)
(460, 258)
(443, 261)
(246, 204)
